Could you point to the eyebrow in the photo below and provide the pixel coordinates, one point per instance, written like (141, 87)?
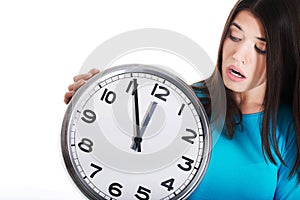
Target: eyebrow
(236, 25)
(240, 28)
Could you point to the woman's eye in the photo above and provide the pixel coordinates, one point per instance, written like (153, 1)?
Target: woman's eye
(259, 50)
(234, 38)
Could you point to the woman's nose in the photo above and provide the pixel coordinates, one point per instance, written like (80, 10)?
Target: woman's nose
(241, 54)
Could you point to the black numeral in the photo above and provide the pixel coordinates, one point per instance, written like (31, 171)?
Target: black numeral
(89, 116)
(144, 192)
(168, 184)
(164, 93)
(134, 83)
(188, 164)
(86, 145)
(115, 189)
(190, 138)
(181, 109)
(98, 169)
(108, 96)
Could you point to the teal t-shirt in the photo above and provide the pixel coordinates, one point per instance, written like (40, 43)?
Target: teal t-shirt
(238, 170)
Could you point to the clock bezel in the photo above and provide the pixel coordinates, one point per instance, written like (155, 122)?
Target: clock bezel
(135, 68)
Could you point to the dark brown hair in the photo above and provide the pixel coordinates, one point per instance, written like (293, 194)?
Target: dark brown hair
(281, 22)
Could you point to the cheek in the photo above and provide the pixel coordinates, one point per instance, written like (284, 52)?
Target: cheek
(226, 49)
(264, 73)
(260, 72)
(261, 62)
(226, 54)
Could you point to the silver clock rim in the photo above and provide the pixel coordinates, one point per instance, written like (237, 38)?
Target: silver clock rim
(137, 68)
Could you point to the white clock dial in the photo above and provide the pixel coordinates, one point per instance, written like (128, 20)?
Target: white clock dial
(136, 132)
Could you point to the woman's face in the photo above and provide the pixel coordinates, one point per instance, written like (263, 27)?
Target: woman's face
(244, 55)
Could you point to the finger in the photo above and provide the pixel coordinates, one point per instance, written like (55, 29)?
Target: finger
(94, 71)
(68, 96)
(82, 76)
(86, 76)
(71, 87)
(76, 85)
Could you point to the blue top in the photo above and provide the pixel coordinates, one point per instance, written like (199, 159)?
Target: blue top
(238, 170)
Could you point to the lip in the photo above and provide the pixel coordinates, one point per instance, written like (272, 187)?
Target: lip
(233, 77)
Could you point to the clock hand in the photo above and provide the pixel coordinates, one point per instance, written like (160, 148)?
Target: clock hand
(146, 120)
(148, 116)
(137, 139)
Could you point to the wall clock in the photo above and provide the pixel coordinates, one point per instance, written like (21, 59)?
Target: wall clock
(135, 132)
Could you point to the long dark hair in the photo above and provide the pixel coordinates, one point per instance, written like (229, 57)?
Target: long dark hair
(280, 20)
(295, 5)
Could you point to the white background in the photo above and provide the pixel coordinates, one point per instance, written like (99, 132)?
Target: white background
(42, 46)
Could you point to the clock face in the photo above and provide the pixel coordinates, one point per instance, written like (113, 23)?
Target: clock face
(135, 132)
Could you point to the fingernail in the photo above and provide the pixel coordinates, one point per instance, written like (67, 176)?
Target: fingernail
(93, 71)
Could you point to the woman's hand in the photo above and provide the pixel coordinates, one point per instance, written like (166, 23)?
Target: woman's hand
(79, 80)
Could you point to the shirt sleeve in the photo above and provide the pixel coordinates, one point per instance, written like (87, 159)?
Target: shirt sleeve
(287, 188)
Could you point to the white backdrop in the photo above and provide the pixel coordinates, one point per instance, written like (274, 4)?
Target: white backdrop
(42, 46)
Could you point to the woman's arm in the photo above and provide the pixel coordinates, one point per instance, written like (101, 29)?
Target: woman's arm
(287, 187)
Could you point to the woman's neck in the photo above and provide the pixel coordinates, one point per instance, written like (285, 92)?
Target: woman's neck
(252, 100)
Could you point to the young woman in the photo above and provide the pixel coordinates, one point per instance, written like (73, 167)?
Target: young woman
(257, 154)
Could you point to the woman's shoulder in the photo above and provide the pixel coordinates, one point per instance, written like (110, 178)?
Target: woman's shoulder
(285, 126)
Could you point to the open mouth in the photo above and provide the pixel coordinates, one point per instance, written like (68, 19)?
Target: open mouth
(236, 73)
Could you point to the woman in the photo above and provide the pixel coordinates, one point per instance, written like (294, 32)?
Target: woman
(258, 58)
(257, 154)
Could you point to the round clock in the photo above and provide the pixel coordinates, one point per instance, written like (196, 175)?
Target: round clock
(136, 132)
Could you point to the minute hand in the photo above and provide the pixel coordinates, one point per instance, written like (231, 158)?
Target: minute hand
(137, 139)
